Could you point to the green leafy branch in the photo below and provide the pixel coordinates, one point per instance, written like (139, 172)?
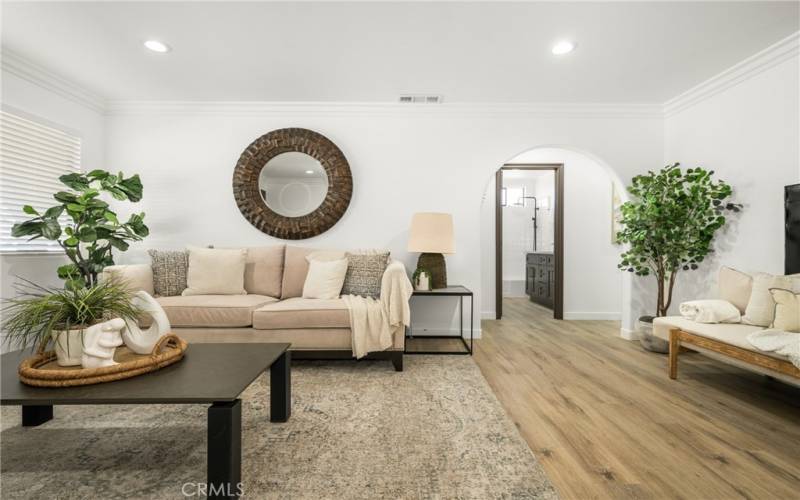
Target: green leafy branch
(94, 229)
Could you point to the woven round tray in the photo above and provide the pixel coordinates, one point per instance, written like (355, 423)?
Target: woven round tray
(42, 370)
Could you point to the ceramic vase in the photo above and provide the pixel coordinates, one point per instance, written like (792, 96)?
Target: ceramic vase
(423, 282)
(68, 346)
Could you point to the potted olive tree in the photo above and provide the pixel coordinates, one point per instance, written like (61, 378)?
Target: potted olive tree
(669, 226)
(88, 230)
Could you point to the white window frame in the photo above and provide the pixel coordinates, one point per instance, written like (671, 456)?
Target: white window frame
(33, 154)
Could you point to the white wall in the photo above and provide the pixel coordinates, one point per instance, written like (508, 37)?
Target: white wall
(750, 136)
(592, 282)
(33, 101)
(403, 160)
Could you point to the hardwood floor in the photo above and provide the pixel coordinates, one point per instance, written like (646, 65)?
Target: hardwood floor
(605, 421)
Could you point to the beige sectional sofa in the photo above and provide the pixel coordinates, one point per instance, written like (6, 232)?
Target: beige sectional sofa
(316, 328)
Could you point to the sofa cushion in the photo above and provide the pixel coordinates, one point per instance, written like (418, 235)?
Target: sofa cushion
(263, 271)
(733, 334)
(735, 287)
(302, 313)
(365, 273)
(295, 268)
(324, 279)
(214, 271)
(212, 310)
(169, 271)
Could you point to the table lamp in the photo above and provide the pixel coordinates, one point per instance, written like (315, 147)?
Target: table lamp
(432, 235)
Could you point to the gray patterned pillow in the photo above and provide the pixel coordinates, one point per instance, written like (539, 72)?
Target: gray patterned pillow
(169, 271)
(364, 274)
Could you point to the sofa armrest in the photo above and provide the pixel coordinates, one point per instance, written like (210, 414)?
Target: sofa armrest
(137, 276)
(396, 291)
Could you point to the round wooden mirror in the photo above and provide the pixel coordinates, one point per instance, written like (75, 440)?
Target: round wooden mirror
(292, 183)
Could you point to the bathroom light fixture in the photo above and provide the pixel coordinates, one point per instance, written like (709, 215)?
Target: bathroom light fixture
(309, 172)
(157, 46)
(563, 47)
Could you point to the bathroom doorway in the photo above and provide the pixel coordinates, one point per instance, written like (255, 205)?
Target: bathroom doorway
(529, 235)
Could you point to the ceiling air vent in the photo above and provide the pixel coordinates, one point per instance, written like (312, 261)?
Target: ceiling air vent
(420, 99)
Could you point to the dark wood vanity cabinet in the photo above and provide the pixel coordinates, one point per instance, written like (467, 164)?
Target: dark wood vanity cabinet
(540, 278)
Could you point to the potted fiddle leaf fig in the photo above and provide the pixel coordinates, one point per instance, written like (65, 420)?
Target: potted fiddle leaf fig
(668, 227)
(92, 229)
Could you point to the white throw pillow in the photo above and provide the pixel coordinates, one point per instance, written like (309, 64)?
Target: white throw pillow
(215, 271)
(324, 279)
(761, 307)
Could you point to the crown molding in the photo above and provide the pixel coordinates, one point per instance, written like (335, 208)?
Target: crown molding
(771, 56)
(334, 109)
(23, 68)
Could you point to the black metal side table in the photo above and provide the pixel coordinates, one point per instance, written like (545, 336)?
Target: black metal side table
(450, 291)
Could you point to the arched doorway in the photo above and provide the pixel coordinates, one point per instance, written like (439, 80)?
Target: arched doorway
(586, 291)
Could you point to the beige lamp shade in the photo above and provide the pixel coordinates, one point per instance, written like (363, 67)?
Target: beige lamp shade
(431, 233)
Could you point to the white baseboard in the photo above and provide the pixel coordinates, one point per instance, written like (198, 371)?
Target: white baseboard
(628, 334)
(582, 316)
(489, 315)
(452, 332)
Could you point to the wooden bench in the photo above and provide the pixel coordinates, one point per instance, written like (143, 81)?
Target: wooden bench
(679, 338)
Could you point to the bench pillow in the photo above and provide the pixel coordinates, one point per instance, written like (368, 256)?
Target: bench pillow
(787, 310)
(735, 287)
(760, 309)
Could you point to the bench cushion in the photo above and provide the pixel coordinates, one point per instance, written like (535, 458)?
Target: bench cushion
(302, 313)
(733, 334)
(212, 310)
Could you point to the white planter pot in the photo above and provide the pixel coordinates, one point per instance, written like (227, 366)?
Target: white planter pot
(68, 346)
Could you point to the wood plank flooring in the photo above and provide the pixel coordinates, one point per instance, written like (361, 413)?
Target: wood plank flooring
(605, 421)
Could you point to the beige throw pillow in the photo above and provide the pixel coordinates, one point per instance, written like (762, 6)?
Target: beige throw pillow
(787, 310)
(216, 271)
(295, 268)
(735, 287)
(263, 271)
(324, 279)
(760, 309)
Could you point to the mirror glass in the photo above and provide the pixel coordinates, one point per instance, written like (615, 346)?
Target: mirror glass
(293, 184)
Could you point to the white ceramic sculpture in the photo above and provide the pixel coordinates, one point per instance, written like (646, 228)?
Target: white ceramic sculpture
(99, 343)
(142, 341)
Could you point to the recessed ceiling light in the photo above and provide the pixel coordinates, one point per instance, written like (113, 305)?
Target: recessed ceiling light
(157, 46)
(309, 172)
(563, 47)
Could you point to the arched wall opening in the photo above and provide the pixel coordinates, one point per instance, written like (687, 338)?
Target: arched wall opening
(593, 286)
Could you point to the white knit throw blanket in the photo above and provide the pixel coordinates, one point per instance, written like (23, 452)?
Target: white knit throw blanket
(779, 342)
(375, 323)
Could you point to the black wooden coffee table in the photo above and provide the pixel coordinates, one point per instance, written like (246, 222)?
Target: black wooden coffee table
(208, 373)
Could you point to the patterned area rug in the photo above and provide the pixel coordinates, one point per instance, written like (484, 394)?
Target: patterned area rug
(358, 430)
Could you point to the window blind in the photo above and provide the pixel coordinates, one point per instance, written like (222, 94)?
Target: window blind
(32, 158)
